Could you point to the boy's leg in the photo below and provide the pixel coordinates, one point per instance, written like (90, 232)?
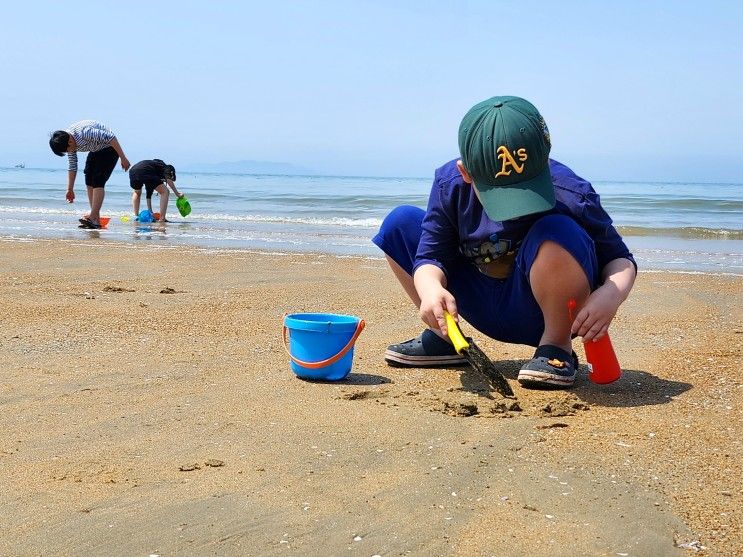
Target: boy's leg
(95, 199)
(90, 201)
(398, 237)
(556, 262)
(96, 195)
(405, 280)
(164, 196)
(136, 198)
(553, 290)
(98, 168)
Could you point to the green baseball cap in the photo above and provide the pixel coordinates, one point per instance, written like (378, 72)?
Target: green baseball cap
(505, 147)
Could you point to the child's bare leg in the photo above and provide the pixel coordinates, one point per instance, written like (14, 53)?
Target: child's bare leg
(164, 196)
(96, 195)
(90, 202)
(136, 197)
(555, 278)
(409, 286)
(405, 280)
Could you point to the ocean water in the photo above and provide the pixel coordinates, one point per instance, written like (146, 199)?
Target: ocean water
(686, 227)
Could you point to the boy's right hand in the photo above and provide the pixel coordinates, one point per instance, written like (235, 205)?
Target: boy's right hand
(70, 196)
(433, 304)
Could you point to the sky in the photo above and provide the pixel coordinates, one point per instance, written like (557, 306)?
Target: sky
(635, 91)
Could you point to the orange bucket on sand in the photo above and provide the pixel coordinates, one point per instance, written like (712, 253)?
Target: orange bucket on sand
(104, 221)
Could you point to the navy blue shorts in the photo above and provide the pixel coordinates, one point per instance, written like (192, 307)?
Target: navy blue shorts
(99, 165)
(503, 309)
(149, 186)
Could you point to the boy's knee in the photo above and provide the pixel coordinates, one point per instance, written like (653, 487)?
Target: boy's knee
(402, 223)
(562, 231)
(399, 235)
(554, 238)
(551, 250)
(402, 217)
(556, 224)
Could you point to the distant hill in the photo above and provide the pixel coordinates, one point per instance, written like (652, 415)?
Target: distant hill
(249, 167)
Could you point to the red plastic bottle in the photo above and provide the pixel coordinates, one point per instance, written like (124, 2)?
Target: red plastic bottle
(604, 364)
(600, 354)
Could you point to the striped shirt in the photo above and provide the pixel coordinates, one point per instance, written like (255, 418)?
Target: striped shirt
(89, 136)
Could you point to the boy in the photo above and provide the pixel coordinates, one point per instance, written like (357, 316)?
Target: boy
(152, 174)
(103, 151)
(508, 238)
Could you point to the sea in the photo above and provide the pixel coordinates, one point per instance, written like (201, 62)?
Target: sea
(686, 227)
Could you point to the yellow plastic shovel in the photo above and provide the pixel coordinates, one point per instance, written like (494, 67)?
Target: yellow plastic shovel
(476, 357)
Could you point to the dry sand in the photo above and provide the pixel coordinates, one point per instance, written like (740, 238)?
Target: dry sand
(135, 422)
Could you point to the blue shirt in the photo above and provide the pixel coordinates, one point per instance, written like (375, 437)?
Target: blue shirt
(456, 225)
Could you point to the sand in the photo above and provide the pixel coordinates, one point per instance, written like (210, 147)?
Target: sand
(147, 408)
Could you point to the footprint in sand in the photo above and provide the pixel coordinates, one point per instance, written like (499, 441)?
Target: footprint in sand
(169, 290)
(117, 289)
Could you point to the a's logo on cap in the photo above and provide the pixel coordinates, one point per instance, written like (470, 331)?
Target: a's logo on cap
(507, 160)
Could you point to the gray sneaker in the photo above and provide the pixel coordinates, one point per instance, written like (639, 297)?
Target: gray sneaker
(550, 367)
(428, 350)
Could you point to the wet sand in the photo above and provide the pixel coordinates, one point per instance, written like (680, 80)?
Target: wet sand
(147, 407)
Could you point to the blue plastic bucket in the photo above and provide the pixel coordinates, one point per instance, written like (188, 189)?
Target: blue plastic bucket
(320, 345)
(146, 216)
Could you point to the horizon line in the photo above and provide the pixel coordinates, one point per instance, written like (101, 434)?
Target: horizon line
(319, 175)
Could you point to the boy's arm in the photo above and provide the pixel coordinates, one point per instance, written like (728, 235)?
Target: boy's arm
(619, 275)
(171, 185)
(71, 175)
(119, 151)
(594, 318)
(439, 243)
(430, 283)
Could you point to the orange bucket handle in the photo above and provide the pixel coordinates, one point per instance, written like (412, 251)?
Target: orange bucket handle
(324, 363)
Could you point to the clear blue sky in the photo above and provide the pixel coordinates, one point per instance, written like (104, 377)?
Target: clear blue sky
(630, 90)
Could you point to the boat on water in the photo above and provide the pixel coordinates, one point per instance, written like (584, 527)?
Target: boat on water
(20, 165)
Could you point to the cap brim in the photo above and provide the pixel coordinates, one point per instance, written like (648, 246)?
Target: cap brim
(516, 200)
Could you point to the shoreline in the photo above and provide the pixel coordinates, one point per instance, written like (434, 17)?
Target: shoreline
(115, 396)
(373, 252)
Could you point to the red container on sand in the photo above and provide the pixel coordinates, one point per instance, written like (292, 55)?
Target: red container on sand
(604, 364)
(600, 355)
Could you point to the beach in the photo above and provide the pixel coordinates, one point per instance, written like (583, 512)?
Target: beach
(148, 408)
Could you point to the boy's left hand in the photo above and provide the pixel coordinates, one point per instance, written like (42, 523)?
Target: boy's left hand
(125, 163)
(595, 316)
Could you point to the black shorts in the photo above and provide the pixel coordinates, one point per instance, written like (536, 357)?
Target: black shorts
(99, 165)
(149, 185)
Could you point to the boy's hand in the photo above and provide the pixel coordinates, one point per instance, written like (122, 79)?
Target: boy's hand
(433, 304)
(595, 316)
(125, 163)
(70, 196)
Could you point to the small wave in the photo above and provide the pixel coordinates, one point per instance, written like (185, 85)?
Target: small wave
(201, 219)
(38, 210)
(690, 232)
(314, 221)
